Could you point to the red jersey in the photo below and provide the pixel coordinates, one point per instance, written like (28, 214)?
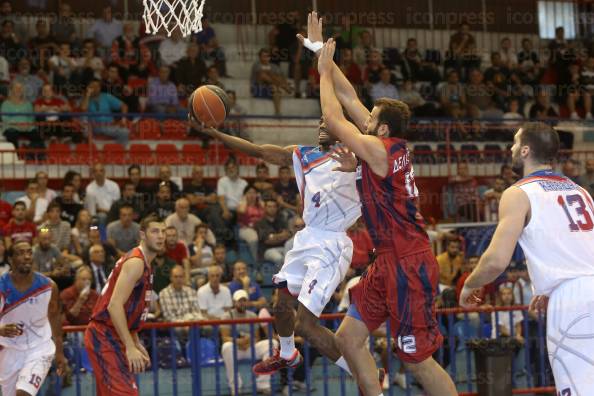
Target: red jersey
(5, 213)
(389, 204)
(25, 231)
(136, 308)
(178, 253)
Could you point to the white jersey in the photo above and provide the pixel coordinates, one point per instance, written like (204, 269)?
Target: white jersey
(27, 309)
(559, 239)
(330, 198)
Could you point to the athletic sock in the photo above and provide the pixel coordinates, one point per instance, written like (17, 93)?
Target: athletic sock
(287, 346)
(342, 363)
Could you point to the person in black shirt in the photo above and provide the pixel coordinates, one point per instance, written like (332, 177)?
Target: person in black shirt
(190, 71)
(272, 233)
(144, 192)
(165, 178)
(129, 198)
(286, 190)
(164, 206)
(199, 194)
(70, 207)
(528, 62)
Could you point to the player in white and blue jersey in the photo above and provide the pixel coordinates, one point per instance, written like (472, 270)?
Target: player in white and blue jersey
(322, 251)
(30, 318)
(553, 220)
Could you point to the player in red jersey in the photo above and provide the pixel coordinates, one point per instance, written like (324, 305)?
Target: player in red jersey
(401, 284)
(111, 339)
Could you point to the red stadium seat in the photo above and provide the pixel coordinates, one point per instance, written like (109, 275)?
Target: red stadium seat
(217, 154)
(193, 154)
(149, 129)
(166, 153)
(175, 129)
(141, 154)
(59, 153)
(114, 153)
(86, 153)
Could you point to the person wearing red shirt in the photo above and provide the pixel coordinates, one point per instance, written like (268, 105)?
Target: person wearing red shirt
(465, 271)
(350, 69)
(176, 249)
(52, 105)
(5, 213)
(79, 299)
(362, 245)
(19, 229)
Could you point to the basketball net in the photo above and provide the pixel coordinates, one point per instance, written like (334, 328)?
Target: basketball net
(167, 15)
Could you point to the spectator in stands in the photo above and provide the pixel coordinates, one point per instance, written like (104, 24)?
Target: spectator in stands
(415, 68)
(62, 27)
(179, 302)
(105, 31)
(262, 182)
(363, 48)
(185, 223)
(221, 261)
(498, 67)
(31, 83)
(53, 105)
(113, 84)
(571, 170)
(285, 47)
(162, 93)
(508, 54)
(162, 266)
(201, 248)
(230, 190)
(6, 11)
(491, 200)
(465, 193)
(143, 190)
(146, 66)
(101, 193)
(165, 177)
(586, 180)
(384, 88)
(36, 204)
(172, 49)
(163, 206)
(249, 212)
(236, 126)
(212, 77)
(412, 97)
(129, 198)
(95, 101)
(99, 266)
(111, 255)
(19, 228)
(240, 347)
(41, 46)
(48, 260)
(462, 51)
(351, 70)
(5, 214)
(469, 265)
(176, 249)
(522, 287)
(502, 322)
(273, 233)
(529, 62)
(4, 264)
(451, 94)
(79, 299)
(16, 127)
(543, 108)
(476, 92)
(10, 45)
(198, 193)
(558, 48)
(362, 245)
(125, 50)
(58, 228)
(450, 262)
(374, 67)
(74, 178)
(576, 93)
(42, 189)
(508, 175)
(190, 70)
(513, 110)
(89, 65)
(209, 46)
(70, 208)
(287, 192)
(79, 234)
(241, 281)
(296, 224)
(214, 299)
(123, 234)
(4, 76)
(267, 80)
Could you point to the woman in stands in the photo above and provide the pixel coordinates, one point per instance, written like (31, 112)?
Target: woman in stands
(249, 212)
(80, 233)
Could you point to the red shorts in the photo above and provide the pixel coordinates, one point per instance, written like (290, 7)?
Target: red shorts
(108, 357)
(402, 290)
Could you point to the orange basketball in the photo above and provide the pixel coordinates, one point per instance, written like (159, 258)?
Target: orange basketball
(210, 105)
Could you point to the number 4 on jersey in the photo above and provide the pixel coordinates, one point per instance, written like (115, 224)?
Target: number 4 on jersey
(316, 199)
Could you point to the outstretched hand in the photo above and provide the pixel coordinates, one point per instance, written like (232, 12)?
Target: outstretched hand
(200, 127)
(326, 59)
(314, 28)
(346, 159)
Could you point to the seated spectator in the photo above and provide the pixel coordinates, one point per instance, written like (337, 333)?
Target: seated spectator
(48, 260)
(115, 85)
(79, 234)
(199, 193)
(10, 43)
(17, 127)
(529, 62)
(19, 228)
(201, 253)
(491, 200)
(214, 299)
(462, 52)
(42, 188)
(62, 67)
(249, 212)
(172, 49)
(384, 88)
(503, 322)
(41, 46)
(577, 94)
(162, 93)
(362, 50)
(543, 108)
(230, 190)
(165, 177)
(285, 47)
(110, 255)
(105, 30)
(144, 192)
(36, 205)
(464, 193)
(241, 281)
(58, 228)
(586, 179)
(236, 126)
(124, 234)
(513, 110)
(52, 105)
(95, 101)
(209, 46)
(497, 67)
(287, 192)
(146, 66)
(267, 80)
(62, 27)
(179, 302)
(508, 54)
(213, 78)
(4, 264)
(190, 71)
(185, 223)
(272, 233)
(240, 345)
(176, 249)
(79, 299)
(262, 182)
(451, 94)
(31, 83)
(125, 50)
(412, 97)
(74, 178)
(89, 66)
(129, 198)
(99, 267)
(351, 70)
(5, 213)
(223, 262)
(508, 175)
(4, 76)
(476, 91)
(375, 64)
(101, 193)
(162, 266)
(415, 68)
(164, 205)
(522, 287)
(571, 169)
(449, 263)
(467, 267)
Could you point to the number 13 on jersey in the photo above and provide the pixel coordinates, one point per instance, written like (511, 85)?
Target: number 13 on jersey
(577, 212)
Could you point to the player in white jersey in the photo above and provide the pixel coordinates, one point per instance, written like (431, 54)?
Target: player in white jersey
(322, 251)
(552, 219)
(29, 318)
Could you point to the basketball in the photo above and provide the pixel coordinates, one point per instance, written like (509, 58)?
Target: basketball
(210, 105)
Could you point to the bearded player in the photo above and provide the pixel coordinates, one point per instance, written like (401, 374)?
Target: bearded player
(111, 338)
(553, 220)
(401, 284)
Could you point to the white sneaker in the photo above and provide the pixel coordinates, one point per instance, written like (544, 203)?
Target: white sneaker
(574, 116)
(386, 383)
(400, 380)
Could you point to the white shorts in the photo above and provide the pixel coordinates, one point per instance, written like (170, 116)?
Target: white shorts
(315, 266)
(25, 370)
(570, 337)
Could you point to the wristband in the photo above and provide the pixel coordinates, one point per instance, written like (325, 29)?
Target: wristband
(313, 46)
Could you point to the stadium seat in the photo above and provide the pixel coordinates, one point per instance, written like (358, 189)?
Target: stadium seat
(114, 153)
(166, 153)
(442, 154)
(493, 153)
(141, 153)
(193, 154)
(217, 154)
(174, 129)
(85, 153)
(470, 152)
(58, 153)
(423, 154)
(149, 129)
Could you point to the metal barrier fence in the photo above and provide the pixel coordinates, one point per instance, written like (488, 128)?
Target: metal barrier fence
(186, 357)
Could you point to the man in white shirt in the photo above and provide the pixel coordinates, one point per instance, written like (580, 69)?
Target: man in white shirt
(185, 223)
(230, 190)
(105, 30)
(384, 88)
(36, 205)
(101, 193)
(42, 187)
(172, 49)
(214, 299)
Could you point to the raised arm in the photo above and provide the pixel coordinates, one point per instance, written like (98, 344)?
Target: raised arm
(268, 152)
